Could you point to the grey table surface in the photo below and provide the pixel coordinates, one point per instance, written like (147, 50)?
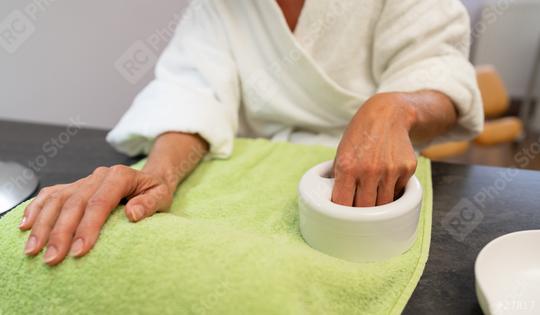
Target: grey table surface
(472, 205)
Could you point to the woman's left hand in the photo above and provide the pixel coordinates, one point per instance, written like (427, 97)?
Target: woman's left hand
(375, 158)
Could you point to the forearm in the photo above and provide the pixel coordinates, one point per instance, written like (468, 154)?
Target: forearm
(174, 155)
(432, 114)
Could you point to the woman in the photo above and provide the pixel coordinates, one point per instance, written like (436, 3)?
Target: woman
(374, 77)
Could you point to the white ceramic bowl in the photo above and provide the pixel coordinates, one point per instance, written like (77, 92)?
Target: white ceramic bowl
(352, 233)
(507, 272)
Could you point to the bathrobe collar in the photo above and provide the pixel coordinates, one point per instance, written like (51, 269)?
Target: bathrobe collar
(291, 45)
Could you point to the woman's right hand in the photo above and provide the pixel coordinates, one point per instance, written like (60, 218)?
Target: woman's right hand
(68, 218)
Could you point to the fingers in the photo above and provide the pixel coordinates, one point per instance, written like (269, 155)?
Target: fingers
(344, 190)
(406, 172)
(375, 192)
(117, 184)
(366, 194)
(145, 205)
(386, 190)
(361, 184)
(140, 207)
(33, 209)
(344, 172)
(45, 222)
(61, 236)
(355, 183)
(68, 218)
(400, 186)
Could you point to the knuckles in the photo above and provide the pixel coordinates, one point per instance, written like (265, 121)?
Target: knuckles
(119, 170)
(46, 190)
(60, 193)
(346, 165)
(370, 169)
(53, 192)
(409, 167)
(56, 196)
(100, 170)
(114, 171)
(392, 170)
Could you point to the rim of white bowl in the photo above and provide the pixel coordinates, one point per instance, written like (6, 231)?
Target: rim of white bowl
(493, 243)
(408, 202)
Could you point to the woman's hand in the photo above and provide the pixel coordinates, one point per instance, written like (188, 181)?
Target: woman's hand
(375, 158)
(68, 218)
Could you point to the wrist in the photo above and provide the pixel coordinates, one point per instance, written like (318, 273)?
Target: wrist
(174, 156)
(409, 109)
(165, 173)
(395, 108)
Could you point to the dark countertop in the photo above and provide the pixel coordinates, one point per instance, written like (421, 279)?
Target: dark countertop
(478, 203)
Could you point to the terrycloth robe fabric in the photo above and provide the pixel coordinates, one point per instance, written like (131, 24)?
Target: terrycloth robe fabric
(230, 244)
(235, 68)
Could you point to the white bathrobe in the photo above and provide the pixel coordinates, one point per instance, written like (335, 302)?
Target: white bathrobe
(235, 68)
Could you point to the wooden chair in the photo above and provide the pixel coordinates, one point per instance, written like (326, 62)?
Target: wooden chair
(496, 103)
(496, 130)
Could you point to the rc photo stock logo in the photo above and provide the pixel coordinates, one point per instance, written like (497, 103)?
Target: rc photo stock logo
(462, 219)
(20, 25)
(15, 30)
(142, 55)
(467, 214)
(136, 62)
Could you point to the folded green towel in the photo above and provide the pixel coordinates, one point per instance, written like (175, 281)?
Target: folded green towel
(229, 245)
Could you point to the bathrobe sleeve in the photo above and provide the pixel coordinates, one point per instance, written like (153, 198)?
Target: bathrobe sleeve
(195, 90)
(424, 44)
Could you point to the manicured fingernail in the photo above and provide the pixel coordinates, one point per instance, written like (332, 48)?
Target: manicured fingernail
(50, 254)
(76, 248)
(23, 222)
(136, 213)
(30, 245)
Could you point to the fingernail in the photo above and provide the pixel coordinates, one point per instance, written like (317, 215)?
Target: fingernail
(76, 248)
(30, 245)
(23, 222)
(136, 213)
(50, 254)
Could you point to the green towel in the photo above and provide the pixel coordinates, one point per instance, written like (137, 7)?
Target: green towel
(229, 245)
